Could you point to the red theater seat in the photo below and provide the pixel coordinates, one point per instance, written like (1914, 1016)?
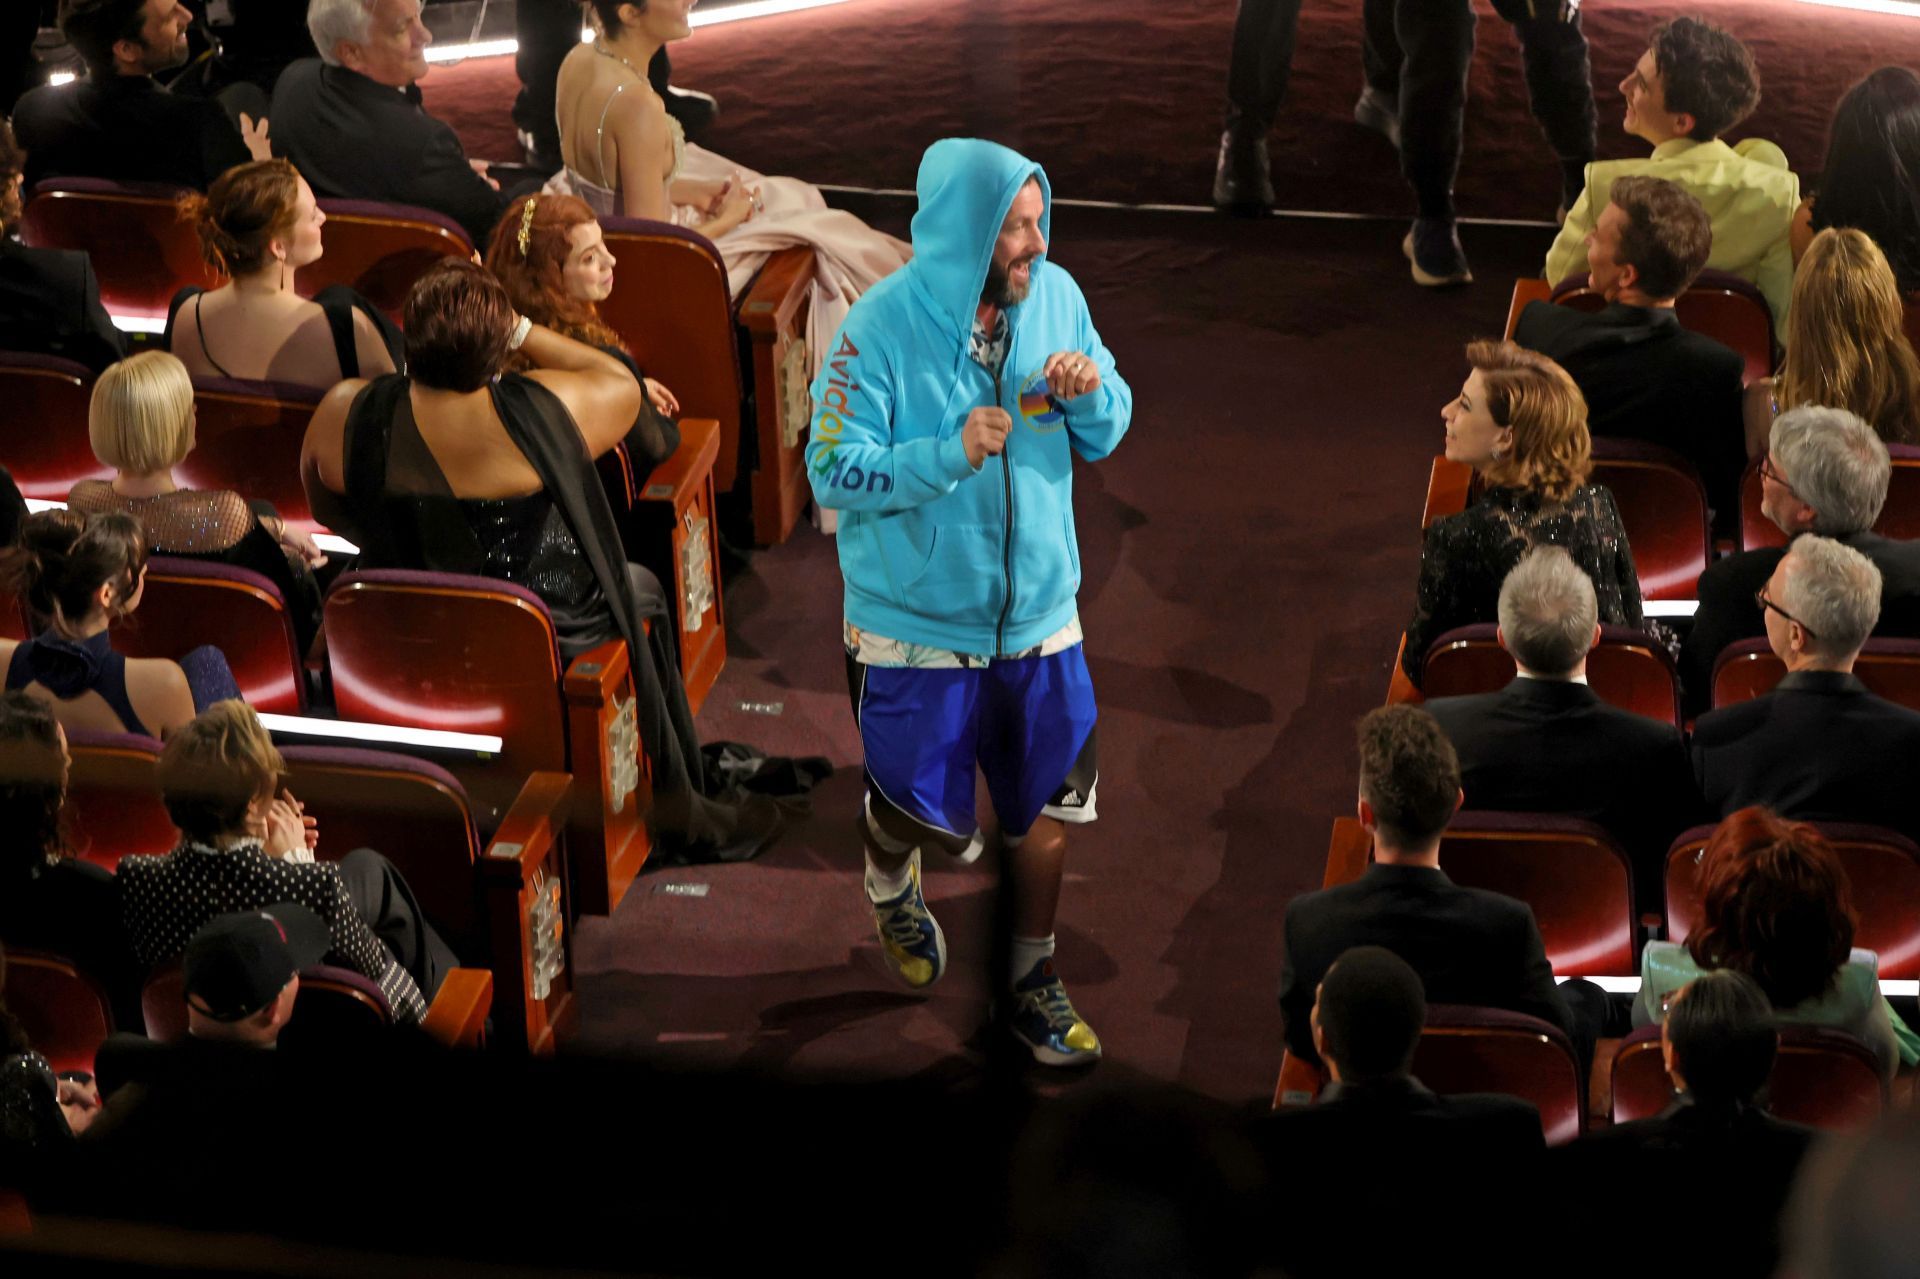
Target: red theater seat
(1899, 516)
(334, 1004)
(113, 803)
(1627, 668)
(477, 892)
(62, 1009)
(191, 602)
(1572, 873)
(1821, 1077)
(1883, 871)
(673, 531)
(380, 250)
(44, 438)
(1748, 669)
(478, 655)
(248, 439)
(1663, 507)
(142, 251)
(1724, 306)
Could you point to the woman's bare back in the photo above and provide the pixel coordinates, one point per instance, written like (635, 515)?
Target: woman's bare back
(277, 338)
(605, 112)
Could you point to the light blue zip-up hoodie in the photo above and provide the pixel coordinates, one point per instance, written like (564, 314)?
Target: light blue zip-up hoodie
(933, 551)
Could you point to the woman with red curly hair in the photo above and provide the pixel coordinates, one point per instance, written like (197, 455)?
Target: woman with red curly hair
(1775, 905)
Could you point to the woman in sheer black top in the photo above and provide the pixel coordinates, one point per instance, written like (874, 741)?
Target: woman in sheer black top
(1521, 424)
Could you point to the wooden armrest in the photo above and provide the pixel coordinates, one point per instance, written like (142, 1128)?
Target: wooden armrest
(457, 1017)
(1525, 291)
(524, 857)
(607, 836)
(1401, 690)
(677, 479)
(593, 677)
(1449, 485)
(1299, 1083)
(1348, 851)
(774, 300)
(528, 831)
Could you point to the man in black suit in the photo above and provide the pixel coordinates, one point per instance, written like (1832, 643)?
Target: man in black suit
(1714, 1165)
(1825, 472)
(1645, 377)
(1547, 744)
(1469, 946)
(1820, 746)
(352, 121)
(1453, 1156)
(119, 123)
(49, 300)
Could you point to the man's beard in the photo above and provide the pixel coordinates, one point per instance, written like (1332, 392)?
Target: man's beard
(1000, 289)
(168, 57)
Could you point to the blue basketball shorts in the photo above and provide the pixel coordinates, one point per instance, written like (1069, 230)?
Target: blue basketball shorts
(1027, 723)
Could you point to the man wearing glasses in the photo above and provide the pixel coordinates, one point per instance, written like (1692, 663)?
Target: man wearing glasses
(1824, 472)
(1820, 746)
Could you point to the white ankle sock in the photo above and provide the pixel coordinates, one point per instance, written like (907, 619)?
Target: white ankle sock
(882, 886)
(1028, 951)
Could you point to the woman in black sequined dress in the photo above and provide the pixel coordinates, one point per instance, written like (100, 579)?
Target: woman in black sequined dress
(1521, 424)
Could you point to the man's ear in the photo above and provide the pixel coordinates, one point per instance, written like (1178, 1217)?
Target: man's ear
(1364, 810)
(1683, 123)
(1629, 276)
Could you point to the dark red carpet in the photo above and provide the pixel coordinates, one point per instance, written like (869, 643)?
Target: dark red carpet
(1122, 100)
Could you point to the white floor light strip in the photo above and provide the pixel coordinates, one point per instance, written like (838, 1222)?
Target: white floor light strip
(703, 18)
(1893, 988)
(385, 734)
(1898, 8)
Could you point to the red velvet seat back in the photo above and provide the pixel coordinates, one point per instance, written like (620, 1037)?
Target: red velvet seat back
(63, 1011)
(1663, 507)
(1748, 669)
(1883, 871)
(1821, 1077)
(1726, 307)
(43, 431)
(189, 603)
(1626, 668)
(1490, 1050)
(414, 812)
(142, 251)
(379, 250)
(672, 307)
(466, 654)
(113, 803)
(1899, 515)
(248, 439)
(1572, 873)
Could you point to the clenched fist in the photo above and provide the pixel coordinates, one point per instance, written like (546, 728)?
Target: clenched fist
(1071, 374)
(985, 434)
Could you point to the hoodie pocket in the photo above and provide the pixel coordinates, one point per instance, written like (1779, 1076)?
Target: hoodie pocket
(960, 579)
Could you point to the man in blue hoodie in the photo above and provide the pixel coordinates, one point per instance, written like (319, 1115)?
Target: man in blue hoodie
(946, 421)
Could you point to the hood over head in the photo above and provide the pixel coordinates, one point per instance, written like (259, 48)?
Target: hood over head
(966, 186)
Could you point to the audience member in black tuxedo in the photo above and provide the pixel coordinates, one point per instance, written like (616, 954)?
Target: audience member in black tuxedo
(1645, 377)
(1454, 1157)
(1546, 743)
(1718, 1164)
(49, 300)
(1871, 176)
(1521, 424)
(1469, 946)
(1820, 746)
(1851, 1215)
(118, 122)
(50, 900)
(352, 122)
(1825, 472)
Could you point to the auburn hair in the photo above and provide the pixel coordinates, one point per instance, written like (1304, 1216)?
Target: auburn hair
(242, 213)
(1775, 905)
(533, 276)
(1537, 400)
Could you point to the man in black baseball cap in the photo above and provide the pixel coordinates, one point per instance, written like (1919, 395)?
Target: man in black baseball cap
(243, 971)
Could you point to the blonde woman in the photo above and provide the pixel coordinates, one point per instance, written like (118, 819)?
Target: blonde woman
(1521, 424)
(1847, 346)
(140, 423)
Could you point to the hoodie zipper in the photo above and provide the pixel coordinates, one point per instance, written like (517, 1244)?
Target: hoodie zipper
(1006, 470)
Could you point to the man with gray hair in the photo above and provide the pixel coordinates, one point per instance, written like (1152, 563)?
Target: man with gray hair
(351, 119)
(1546, 743)
(1820, 746)
(1825, 472)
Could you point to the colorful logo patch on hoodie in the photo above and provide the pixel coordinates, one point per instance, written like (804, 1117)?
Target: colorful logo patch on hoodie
(1037, 405)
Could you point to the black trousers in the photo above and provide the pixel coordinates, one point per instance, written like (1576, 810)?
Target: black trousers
(1261, 65)
(1419, 51)
(547, 31)
(382, 897)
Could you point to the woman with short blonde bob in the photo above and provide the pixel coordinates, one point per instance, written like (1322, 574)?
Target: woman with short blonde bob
(1846, 342)
(140, 422)
(1521, 424)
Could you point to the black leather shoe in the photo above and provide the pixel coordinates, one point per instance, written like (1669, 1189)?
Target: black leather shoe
(1242, 181)
(693, 109)
(1380, 112)
(1433, 249)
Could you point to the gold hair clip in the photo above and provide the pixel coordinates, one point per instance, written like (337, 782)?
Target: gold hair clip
(526, 223)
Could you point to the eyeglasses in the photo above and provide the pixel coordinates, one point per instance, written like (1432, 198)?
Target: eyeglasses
(1770, 472)
(1760, 598)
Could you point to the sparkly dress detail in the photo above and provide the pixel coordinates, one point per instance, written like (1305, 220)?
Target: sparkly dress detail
(1467, 556)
